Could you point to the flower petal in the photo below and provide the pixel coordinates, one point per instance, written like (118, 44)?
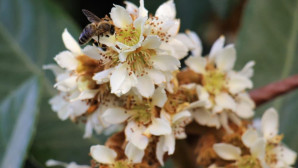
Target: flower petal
(227, 151)
(181, 116)
(160, 150)
(70, 43)
(54, 68)
(134, 154)
(245, 106)
(67, 84)
(170, 143)
(165, 62)
(145, 86)
(178, 48)
(92, 52)
(166, 10)
(247, 70)
(197, 51)
(66, 59)
(203, 95)
(196, 104)
(159, 127)
(115, 115)
(88, 129)
(166, 143)
(135, 134)
(270, 123)
(151, 42)
(225, 59)
(143, 12)
(103, 154)
(120, 16)
(225, 101)
(250, 137)
(174, 29)
(216, 47)
(52, 162)
(157, 76)
(86, 94)
(205, 117)
(103, 76)
(120, 81)
(258, 148)
(238, 83)
(131, 8)
(159, 97)
(197, 64)
(224, 121)
(286, 155)
(186, 40)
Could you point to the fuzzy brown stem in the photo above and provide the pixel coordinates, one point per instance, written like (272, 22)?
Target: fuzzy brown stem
(273, 90)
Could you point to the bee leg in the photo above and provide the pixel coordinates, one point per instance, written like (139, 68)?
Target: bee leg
(96, 43)
(104, 47)
(112, 30)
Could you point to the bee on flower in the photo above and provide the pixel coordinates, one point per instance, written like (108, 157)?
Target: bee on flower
(222, 89)
(143, 52)
(79, 95)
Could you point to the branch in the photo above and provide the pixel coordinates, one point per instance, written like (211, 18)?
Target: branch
(273, 90)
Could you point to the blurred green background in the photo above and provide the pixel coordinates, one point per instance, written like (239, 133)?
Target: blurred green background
(30, 36)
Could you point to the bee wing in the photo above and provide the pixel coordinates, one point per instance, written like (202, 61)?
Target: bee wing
(90, 16)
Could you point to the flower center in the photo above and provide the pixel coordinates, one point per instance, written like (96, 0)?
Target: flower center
(271, 157)
(214, 82)
(129, 36)
(121, 164)
(88, 66)
(179, 100)
(248, 162)
(86, 83)
(139, 61)
(141, 113)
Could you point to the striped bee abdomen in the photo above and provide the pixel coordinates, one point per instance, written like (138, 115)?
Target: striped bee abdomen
(87, 34)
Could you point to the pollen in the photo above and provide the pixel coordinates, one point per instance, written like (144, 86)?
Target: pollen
(141, 110)
(139, 61)
(214, 82)
(129, 36)
(249, 161)
(121, 164)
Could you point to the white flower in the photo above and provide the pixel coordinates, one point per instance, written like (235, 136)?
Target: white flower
(73, 87)
(52, 162)
(277, 154)
(107, 156)
(141, 54)
(222, 89)
(266, 148)
(67, 109)
(134, 134)
(233, 153)
(169, 127)
(140, 111)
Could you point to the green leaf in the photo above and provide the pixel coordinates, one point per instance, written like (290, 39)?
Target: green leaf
(30, 36)
(269, 36)
(17, 119)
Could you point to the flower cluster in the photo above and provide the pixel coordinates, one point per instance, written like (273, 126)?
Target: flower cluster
(261, 148)
(134, 87)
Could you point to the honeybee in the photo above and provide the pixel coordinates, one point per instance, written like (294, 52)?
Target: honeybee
(98, 27)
